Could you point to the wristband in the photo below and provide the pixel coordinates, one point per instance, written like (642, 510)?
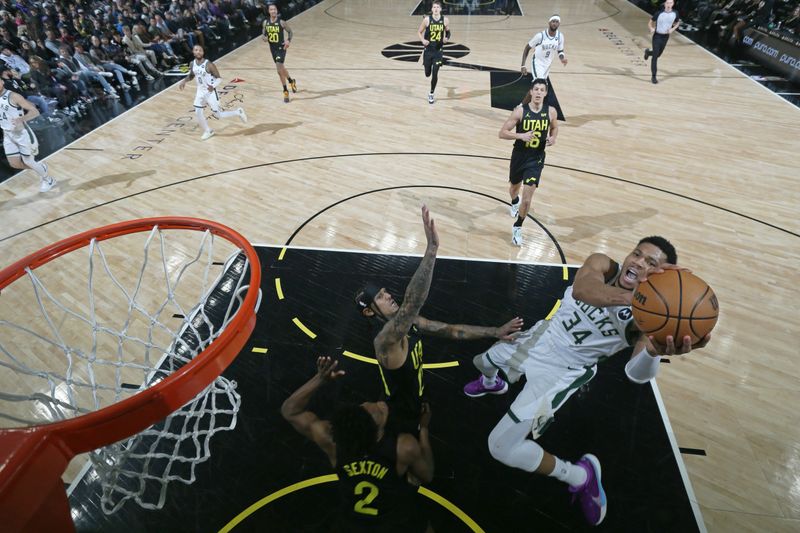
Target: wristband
(642, 367)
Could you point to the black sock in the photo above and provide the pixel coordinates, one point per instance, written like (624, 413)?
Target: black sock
(518, 223)
(284, 88)
(290, 80)
(515, 201)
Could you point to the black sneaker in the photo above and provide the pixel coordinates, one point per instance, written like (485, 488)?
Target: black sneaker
(293, 85)
(654, 80)
(647, 53)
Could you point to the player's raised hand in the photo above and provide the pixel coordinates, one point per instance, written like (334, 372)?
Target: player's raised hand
(507, 331)
(326, 369)
(431, 235)
(661, 268)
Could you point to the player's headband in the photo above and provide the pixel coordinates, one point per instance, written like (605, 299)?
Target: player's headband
(366, 295)
(555, 17)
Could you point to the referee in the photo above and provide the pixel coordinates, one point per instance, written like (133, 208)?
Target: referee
(664, 22)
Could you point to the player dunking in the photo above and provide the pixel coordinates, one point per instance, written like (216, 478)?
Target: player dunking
(372, 463)
(208, 79)
(532, 126)
(398, 344)
(434, 31)
(274, 27)
(559, 355)
(19, 142)
(545, 45)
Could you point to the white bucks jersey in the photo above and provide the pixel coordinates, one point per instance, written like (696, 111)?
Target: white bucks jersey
(545, 48)
(587, 332)
(8, 112)
(204, 78)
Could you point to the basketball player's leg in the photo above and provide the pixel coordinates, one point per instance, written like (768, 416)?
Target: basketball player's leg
(530, 182)
(21, 148)
(213, 103)
(531, 413)
(200, 112)
(515, 182)
(506, 357)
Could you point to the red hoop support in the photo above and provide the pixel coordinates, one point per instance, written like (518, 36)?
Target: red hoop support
(32, 459)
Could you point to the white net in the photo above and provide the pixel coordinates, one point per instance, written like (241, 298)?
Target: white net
(103, 323)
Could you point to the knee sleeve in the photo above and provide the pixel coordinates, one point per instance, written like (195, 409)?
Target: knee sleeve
(509, 444)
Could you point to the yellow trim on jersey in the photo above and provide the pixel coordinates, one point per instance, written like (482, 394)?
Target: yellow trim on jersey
(553, 310)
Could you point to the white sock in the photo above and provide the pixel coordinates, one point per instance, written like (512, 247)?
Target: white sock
(201, 118)
(569, 473)
(489, 381)
(36, 166)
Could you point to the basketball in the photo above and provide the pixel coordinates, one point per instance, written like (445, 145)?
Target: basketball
(676, 303)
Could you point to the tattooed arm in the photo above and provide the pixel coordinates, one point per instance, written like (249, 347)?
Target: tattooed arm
(389, 342)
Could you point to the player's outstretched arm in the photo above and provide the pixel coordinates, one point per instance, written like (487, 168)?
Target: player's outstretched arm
(553, 133)
(305, 422)
(590, 283)
(524, 68)
(465, 332)
(416, 292)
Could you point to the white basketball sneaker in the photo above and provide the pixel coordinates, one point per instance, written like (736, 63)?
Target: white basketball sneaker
(207, 135)
(242, 115)
(516, 235)
(48, 182)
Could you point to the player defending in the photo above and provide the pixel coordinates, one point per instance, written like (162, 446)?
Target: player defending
(558, 356)
(208, 79)
(371, 463)
(545, 45)
(274, 27)
(433, 32)
(19, 141)
(532, 126)
(398, 346)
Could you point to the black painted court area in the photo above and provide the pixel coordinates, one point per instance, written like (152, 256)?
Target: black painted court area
(616, 420)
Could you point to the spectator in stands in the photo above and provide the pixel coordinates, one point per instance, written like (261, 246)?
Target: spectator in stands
(102, 59)
(87, 63)
(792, 24)
(14, 61)
(68, 63)
(14, 82)
(138, 50)
(47, 84)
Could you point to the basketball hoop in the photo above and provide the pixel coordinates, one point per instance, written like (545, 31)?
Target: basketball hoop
(85, 375)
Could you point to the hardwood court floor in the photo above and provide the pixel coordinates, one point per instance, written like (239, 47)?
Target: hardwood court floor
(707, 158)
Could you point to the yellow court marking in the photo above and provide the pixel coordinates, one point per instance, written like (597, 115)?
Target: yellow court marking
(303, 328)
(553, 310)
(259, 350)
(566, 273)
(280, 256)
(278, 288)
(274, 496)
(372, 361)
(447, 504)
(444, 502)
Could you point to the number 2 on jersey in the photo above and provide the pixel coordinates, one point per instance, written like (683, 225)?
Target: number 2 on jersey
(361, 505)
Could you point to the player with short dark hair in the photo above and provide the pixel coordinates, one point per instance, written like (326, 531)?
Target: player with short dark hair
(273, 33)
(398, 343)
(434, 32)
(558, 356)
(371, 462)
(533, 125)
(208, 79)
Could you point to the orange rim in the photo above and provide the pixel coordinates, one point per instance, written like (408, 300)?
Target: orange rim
(59, 442)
